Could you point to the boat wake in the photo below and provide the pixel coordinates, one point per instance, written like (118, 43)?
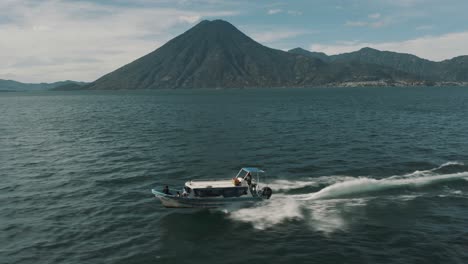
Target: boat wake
(325, 208)
(367, 185)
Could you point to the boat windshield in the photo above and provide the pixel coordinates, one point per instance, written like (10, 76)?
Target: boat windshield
(250, 173)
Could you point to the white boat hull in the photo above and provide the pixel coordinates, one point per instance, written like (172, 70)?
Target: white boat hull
(172, 201)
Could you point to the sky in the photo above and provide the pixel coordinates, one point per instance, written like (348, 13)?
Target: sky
(54, 40)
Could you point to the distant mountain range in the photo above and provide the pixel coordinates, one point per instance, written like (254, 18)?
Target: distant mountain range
(453, 70)
(215, 54)
(10, 86)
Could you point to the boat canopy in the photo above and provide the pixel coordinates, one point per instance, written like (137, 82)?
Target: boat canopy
(253, 170)
(228, 183)
(209, 184)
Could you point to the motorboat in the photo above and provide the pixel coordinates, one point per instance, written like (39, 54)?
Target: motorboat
(243, 189)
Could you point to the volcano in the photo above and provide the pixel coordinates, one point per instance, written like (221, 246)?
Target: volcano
(215, 54)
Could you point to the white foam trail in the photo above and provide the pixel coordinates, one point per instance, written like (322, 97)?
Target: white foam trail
(270, 213)
(450, 163)
(407, 197)
(451, 192)
(426, 172)
(364, 185)
(328, 216)
(285, 185)
(322, 215)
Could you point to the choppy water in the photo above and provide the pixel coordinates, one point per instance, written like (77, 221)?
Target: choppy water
(359, 175)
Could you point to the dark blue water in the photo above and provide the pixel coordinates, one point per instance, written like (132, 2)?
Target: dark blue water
(360, 175)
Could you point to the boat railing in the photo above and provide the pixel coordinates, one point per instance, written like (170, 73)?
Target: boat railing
(217, 180)
(254, 181)
(172, 188)
(199, 180)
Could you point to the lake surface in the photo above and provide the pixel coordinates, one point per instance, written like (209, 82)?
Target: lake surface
(359, 175)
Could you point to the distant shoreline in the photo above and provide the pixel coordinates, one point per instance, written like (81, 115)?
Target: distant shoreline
(374, 84)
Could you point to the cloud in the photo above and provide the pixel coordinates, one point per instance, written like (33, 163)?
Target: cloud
(424, 27)
(374, 16)
(404, 3)
(289, 12)
(55, 40)
(435, 48)
(356, 24)
(373, 24)
(274, 11)
(271, 36)
(190, 18)
(375, 20)
(294, 13)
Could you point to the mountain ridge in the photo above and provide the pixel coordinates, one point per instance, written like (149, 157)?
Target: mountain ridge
(450, 70)
(13, 86)
(215, 54)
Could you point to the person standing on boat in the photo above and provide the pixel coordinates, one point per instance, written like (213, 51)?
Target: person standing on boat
(248, 178)
(166, 190)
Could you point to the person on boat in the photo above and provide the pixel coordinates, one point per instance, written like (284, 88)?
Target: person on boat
(166, 190)
(185, 192)
(236, 181)
(248, 178)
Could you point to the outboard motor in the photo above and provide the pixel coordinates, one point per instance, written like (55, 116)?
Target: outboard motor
(266, 192)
